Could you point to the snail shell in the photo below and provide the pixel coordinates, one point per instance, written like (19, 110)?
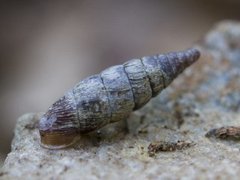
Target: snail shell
(110, 96)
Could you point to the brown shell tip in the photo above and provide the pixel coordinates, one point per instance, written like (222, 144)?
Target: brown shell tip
(194, 55)
(197, 53)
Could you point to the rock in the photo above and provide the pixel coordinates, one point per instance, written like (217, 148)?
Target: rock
(205, 97)
(1, 160)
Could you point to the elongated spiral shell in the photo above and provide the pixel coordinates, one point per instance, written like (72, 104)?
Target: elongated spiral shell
(110, 96)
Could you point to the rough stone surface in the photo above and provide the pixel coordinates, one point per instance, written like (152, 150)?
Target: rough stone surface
(206, 96)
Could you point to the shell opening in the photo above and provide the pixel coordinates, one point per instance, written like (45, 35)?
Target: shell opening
(58, 140)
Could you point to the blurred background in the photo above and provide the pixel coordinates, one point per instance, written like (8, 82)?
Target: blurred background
(48, 46)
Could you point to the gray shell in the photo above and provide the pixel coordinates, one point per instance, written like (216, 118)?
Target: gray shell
(114, 93)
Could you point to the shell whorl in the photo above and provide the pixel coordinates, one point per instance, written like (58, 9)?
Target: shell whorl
(112, 95)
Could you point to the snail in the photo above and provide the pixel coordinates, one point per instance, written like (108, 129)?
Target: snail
(110, 96)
